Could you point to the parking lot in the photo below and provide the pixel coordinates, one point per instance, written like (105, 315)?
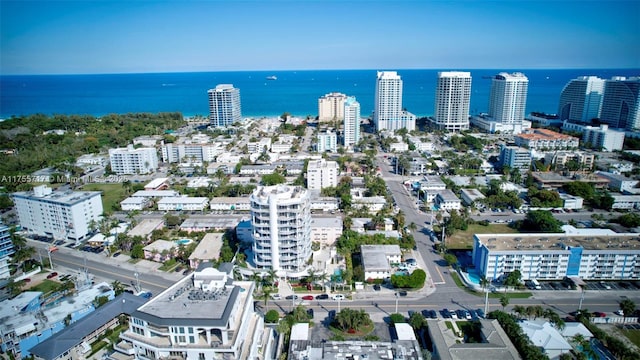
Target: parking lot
(612, 285)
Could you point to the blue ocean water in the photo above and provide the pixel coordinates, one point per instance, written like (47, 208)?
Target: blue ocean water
(296, 92)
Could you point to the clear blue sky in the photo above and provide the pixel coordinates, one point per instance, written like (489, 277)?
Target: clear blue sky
(67, 37)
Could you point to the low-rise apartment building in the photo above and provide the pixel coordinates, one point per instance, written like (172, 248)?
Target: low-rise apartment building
(589, 254)
(377, 260)
(130, 161)
(543, 139)
(183, 203)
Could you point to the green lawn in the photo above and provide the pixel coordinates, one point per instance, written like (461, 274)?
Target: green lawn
(510, 295)
(46, 286)
(633, 335)
(463, 240)
(112, 194)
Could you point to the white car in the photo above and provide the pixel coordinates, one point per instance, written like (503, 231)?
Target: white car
(619, 312)
(276, 297)
(338, 297)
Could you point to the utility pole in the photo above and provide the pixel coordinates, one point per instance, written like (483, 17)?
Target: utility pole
(581, 300)
(50, 262)
(396, 303)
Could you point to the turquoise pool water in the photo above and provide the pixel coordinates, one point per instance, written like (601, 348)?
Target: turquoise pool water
(474, 277)
(183, 241)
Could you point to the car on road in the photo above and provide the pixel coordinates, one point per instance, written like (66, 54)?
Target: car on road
(52, 275)
(292, 297)
(376, 287)
(276, 297)
(480, 313)
(402, 293)
(322, 297)
(599, 314)
(338, 297)
(617, 312)
(307, 297)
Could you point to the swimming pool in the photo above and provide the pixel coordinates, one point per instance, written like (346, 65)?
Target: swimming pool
(474, 277)
(183, 241)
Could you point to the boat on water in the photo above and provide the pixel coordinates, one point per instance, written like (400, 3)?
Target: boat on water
(272, 77)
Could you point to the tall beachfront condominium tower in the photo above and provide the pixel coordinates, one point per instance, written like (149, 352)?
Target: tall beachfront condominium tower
(621, 103)
(581, 99)
(224, 105)
(351, 121)
(388, 113)
(281, 228)
(453, 98)
(331, 107)
(509, 99)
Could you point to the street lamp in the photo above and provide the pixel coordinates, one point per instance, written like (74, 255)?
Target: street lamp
(50, 262)
(581, 300)
(396, 303)
(137, 281)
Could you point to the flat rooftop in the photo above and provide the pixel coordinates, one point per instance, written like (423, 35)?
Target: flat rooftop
(208, 248)
(543, 241)
(185, 304)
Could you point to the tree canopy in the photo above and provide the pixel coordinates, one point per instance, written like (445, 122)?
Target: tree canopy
(540, 221)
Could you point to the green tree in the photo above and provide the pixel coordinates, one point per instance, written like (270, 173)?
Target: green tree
(513, 279)
(540, 221)
(117, 287)
(137, 252)
(628, 307)
(397, 318)
(100, 300)
(451, 259)
(417, 320)
(272, 179)
(271, 317)
(504, 301)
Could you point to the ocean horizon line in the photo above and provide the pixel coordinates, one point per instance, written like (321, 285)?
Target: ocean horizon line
(317, 70)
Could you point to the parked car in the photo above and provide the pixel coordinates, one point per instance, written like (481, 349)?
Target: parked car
(338, 297)
(467, 314)
(433, 314)
(292, 297)
(52, 275)
(27, 280)
(446, 313)
(402, 293)
(116, 254)
(453, 315)
(376, 287)
(599, 314)
(480, 313)
(276, 297)
(310, 313)
(617, 312)
(322, 297)
(307, 297)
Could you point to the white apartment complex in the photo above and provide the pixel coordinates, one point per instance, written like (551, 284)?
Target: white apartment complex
(508, 100)
(377, 260)
(183, 203)
(453, 98)
(543, 139)
(351, 113)
(591, 255)
(331, 107)
(175, 153)
(130, 161)
(327, 141)
(388, 113)
(204, 316)
(224, 105)
(60, 214)
(326, 230)
(602, 138)
(581, 99)
(322, 174)
(6, 250)
(515, 157)
(281, 225)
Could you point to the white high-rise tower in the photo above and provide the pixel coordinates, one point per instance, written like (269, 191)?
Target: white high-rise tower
(508, 100)
(351, 121)
(388, 113)
(581, 99)
(224, 105)
(453, 98)
(281, 222)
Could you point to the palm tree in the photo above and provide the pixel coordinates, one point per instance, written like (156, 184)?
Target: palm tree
(267, 294)
(628, 307)
(504, 301)
(520, 310)
(117, 287)
(484, 282)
